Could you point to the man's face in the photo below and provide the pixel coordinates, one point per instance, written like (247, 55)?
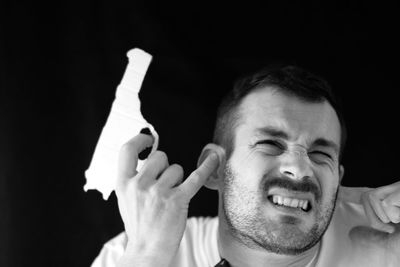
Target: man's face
(274, 199)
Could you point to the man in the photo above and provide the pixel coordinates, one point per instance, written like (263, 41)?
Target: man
(276, 164)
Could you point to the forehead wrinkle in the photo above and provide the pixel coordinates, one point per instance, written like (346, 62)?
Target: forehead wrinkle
(272, 131)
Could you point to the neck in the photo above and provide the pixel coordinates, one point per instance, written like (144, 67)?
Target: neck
(239, 255)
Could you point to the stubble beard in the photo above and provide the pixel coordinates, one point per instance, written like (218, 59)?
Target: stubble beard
(248, 225)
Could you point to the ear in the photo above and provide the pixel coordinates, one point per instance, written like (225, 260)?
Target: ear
(215, 179)
(341, 173)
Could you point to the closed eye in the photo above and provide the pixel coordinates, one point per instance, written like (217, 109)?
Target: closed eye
(321, 157)
(321, 153)
(271, 142)
(270, 147)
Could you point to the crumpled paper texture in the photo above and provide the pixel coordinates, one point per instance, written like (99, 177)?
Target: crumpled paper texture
(124, 122)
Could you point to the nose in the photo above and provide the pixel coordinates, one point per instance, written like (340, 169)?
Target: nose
(295, 165)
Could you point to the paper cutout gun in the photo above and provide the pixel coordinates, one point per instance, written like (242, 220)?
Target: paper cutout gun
(124, 122)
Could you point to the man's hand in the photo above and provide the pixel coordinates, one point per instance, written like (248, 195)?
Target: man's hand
(154, 203)
(382, 206)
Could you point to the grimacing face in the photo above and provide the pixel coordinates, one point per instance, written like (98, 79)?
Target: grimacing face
(276, 200)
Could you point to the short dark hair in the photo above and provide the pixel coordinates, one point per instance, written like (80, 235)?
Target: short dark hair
(288, 79)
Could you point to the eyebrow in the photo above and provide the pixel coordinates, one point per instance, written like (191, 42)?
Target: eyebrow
(278, 133)
(274, 132)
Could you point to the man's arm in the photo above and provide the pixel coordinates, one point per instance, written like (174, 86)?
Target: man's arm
(153, 203)
(379, 244)
(381, 205)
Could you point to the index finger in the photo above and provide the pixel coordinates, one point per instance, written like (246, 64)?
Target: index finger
(392, 200)
(374, 221)
(129, 154)
(198, 177)
(386, 190)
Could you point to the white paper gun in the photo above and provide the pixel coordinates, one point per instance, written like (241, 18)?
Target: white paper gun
(124, 122)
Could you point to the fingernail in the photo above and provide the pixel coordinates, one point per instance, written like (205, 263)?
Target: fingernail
(145, 131)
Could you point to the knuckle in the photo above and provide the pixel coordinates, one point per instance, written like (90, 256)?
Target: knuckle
(371, 193)
(200, 173)
(155, 190)
(371, 196)
(388, 202)
(134, 186)
(178, 196)
(159, 195)
(196, 174)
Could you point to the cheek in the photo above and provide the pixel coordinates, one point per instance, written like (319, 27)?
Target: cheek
(241, 155)
(329, 183)
(249, 166)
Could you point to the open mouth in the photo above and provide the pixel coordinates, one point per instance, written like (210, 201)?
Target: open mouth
(289, 202)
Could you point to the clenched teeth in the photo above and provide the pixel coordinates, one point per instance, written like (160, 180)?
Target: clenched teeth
(290, 202)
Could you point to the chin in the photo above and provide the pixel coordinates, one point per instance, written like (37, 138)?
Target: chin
(289, 239)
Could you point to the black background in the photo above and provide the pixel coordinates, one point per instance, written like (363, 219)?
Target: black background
(60, 64)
